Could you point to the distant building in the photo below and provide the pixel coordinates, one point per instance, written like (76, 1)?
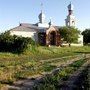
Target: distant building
(45, 33)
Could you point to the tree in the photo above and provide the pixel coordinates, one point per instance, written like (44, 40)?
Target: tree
(86, 35)
(69, 34)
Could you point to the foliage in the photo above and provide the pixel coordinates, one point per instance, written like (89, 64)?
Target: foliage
(14, 43)
(86, 34)
(69, 34)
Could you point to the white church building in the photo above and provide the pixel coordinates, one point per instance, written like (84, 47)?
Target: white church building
(46, 33)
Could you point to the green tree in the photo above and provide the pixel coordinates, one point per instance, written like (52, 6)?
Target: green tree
(69, 34)
(86, 35)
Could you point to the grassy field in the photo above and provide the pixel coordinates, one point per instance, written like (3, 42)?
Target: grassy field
(51, 83)
(37, 53)
(35, 61)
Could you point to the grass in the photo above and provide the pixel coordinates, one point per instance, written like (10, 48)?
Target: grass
(34, 61)
(53, 81)
(46, 52)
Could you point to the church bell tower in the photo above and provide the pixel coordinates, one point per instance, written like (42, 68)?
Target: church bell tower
(70, 20)
(42, 17)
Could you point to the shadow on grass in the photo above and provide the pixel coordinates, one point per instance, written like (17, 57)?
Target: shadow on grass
(13, 52)
(83, 52)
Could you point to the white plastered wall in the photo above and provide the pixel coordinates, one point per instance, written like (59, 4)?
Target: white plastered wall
(32, 35)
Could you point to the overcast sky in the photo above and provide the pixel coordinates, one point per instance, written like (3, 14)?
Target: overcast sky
(13, 12)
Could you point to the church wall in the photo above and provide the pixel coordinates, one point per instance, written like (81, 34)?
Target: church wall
(32, 35)
(72, 44)
(80, 40)
(45, 25)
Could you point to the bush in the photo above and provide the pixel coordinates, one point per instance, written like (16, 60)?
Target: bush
(86, 36)
(14, 43)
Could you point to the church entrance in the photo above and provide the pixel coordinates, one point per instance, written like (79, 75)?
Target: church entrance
(53, 38)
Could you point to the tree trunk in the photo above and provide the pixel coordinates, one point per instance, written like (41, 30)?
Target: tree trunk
(69, 44)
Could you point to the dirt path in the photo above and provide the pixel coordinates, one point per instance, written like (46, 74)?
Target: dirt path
(78, 79)
(29, 83)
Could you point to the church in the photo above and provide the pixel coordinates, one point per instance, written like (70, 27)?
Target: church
(42, 32)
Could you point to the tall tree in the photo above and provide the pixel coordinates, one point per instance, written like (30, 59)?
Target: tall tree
(69, 34)
(86, 34)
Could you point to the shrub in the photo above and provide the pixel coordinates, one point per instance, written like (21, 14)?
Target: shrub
(14, 43)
